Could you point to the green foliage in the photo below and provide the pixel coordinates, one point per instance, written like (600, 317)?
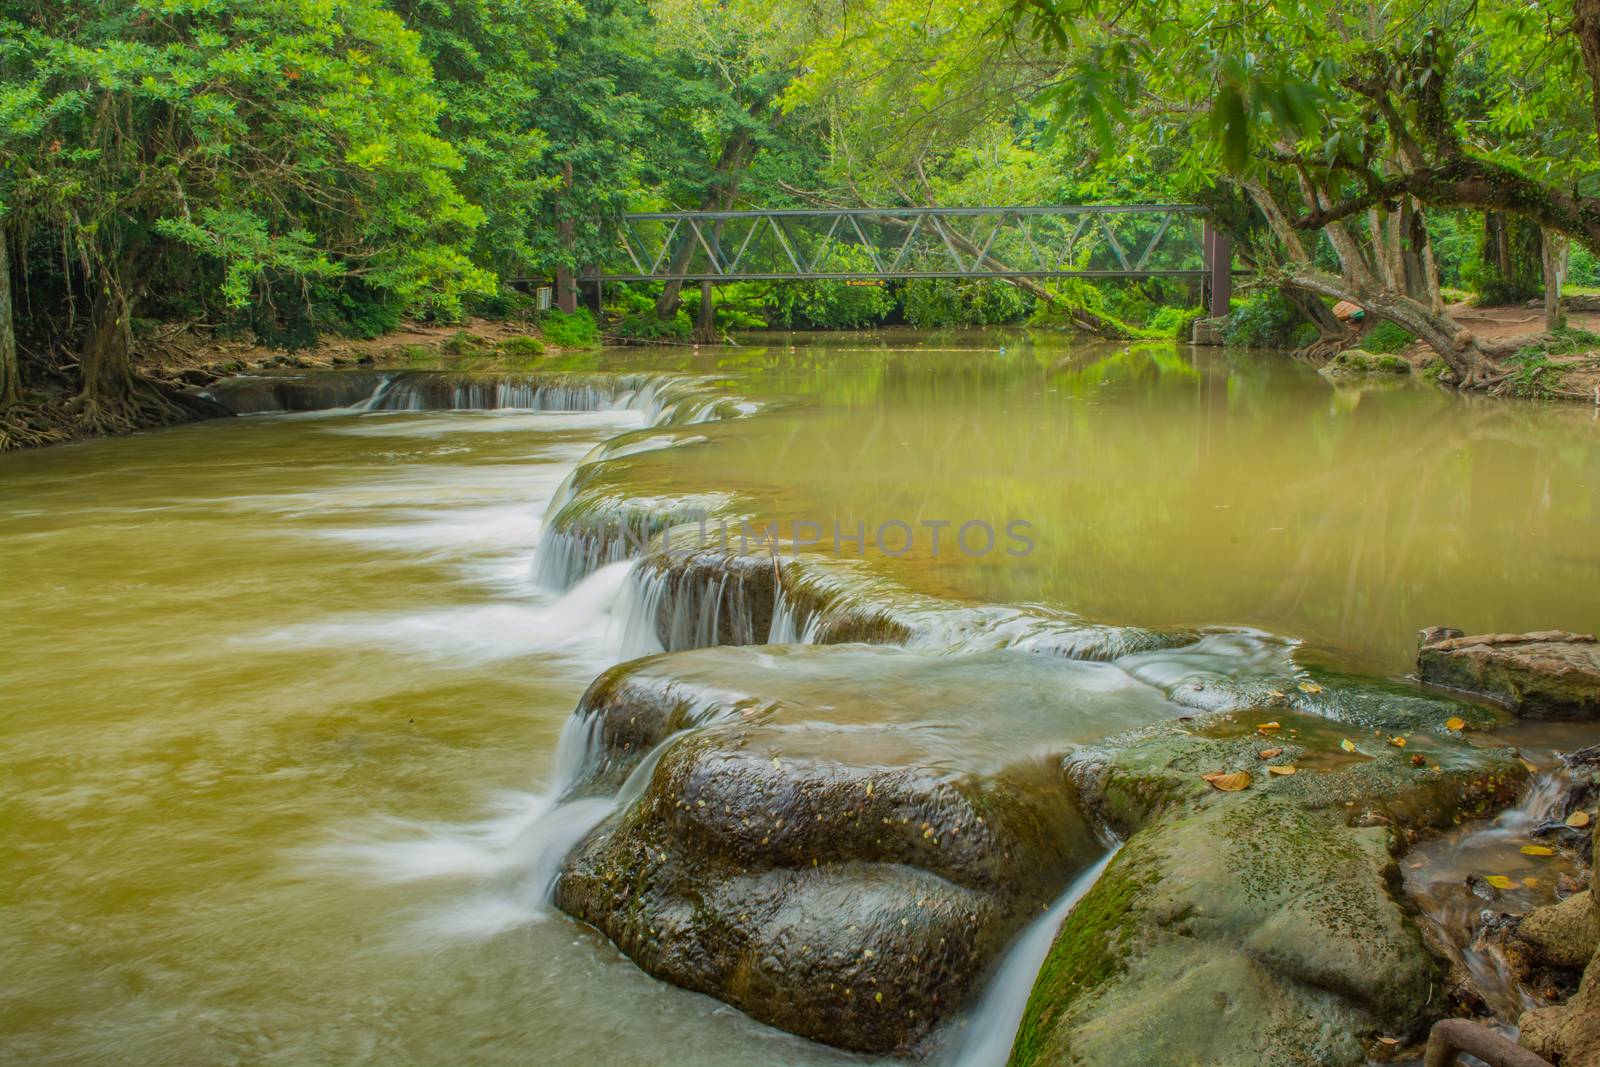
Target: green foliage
(1176, 322)
(1387, 338)
(577, 330)
(939, 302)
(1265, 319)
(522, 346)
(829, 305)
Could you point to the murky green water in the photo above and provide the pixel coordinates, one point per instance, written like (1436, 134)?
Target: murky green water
(281, 694)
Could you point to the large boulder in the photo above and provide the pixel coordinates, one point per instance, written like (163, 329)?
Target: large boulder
(849, 836)
(1259, 926)
(1548, 674)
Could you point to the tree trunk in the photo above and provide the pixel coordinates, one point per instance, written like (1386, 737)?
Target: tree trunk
(736, 155)
(10, 369)
(1552, 250)
(566, 285)
(105, 371)
(1586, 27)
(1511, 259)
(705, 322)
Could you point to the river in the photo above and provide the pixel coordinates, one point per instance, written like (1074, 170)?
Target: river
(284, 692)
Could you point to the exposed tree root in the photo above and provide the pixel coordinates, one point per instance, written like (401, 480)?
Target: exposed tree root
(22, 427)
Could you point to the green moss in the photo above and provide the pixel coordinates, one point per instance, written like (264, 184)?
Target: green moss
(462, 343)
(1355, 361)
(1087, 953)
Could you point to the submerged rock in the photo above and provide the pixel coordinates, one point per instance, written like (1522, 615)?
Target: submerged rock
(851, 836)
(1548, 674)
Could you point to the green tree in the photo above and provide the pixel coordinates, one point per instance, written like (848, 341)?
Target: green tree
(277, 142)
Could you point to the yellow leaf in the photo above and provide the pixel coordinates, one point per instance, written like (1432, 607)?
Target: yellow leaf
(1455, 723)
(1500, 881)
(1398, 742)
(1275, 694)
(1531, 883)
(1268, 726)
(1537, 850)
(1282, 771)
(1578, 819)
(1229, 783)
(1310, 687)
(776, 764)
(1348, 745)
(1268, 753)
(1528, 766)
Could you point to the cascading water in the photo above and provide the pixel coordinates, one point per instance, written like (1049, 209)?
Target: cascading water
(986, 1039)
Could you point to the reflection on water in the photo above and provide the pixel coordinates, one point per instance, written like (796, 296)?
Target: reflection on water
(284, 698)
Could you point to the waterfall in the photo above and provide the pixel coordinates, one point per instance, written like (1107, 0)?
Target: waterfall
(992, 1026)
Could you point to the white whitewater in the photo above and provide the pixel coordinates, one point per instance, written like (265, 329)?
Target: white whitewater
(992, 1026)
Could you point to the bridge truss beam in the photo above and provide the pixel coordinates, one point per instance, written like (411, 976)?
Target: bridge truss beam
(850, 244)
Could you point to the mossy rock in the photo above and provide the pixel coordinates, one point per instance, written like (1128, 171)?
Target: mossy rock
(838, 840)
(1548, 674)
(1357, 362)
(462, 343)
(1263, 925)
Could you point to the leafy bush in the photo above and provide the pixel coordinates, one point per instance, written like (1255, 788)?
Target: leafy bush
(462, 343)
(1387, 338)
(936, 302)
(522, 346)
(1177, 322)
(646, 325)
(577, 330)
(1264, 320)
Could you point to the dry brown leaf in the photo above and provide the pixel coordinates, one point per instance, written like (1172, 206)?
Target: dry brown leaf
(1390, 1041)
(1268, 753)
(1455, 723)
(1284, 770)
(1229, 783)
(1419, 760)
(1578, 820)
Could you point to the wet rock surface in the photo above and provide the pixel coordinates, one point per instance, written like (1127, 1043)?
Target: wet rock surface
(1569, 1034)
(851, 835)
(1546, 674)
(1265, 925)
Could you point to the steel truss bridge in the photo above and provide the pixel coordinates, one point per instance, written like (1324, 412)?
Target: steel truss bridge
(865, 244)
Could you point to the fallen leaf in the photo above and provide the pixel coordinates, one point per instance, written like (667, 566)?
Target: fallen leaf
(1531, 883)
(1282, 771)
(1419, 760)
(1310, 687)
(1455, 723)
(1530, 767)
(1390, 1041)
(1500, 881)
(776, 764)
(1348, 745)
(1229, 783)
(1268, 726)
(1398, 742)
(1274, 694)
(1578, 820)
(1537, 850)
(1268, 753)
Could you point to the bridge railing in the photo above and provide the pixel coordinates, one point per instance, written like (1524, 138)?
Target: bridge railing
(1068, 241)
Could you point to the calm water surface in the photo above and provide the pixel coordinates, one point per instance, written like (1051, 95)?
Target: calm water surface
(281, 695)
